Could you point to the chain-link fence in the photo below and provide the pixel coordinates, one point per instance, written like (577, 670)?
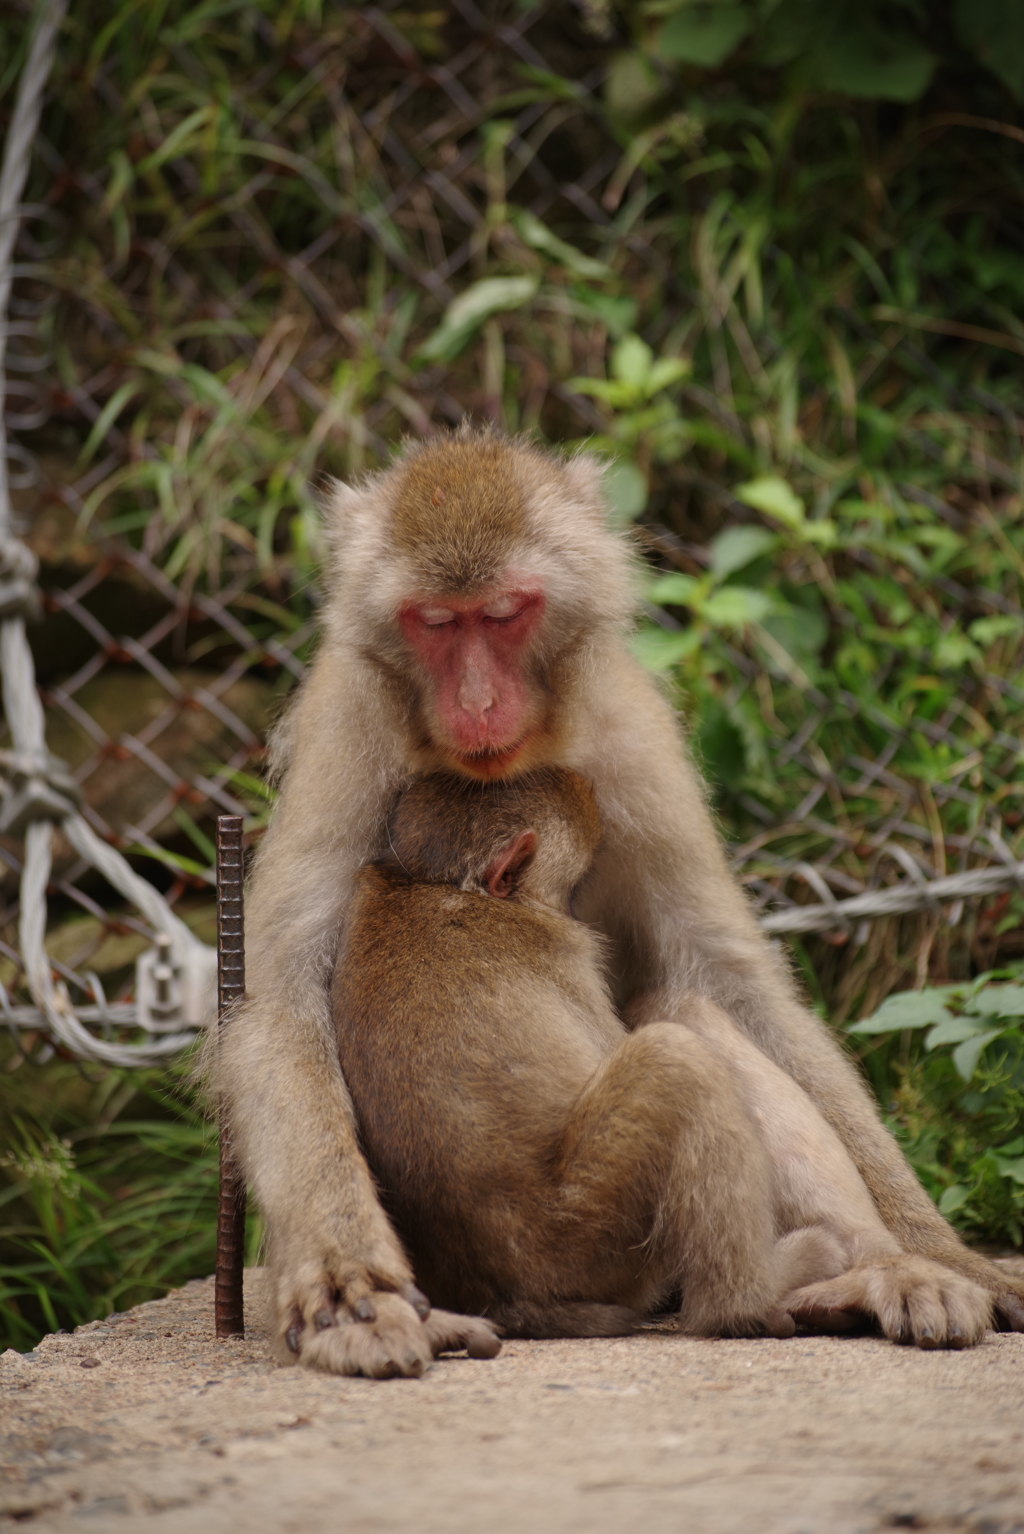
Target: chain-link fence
(175, 623)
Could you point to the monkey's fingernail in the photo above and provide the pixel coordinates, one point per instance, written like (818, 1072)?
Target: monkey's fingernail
(927, 1338)
(323, 1319)
(364, 1309)
(483, 1346)
(418, 1300)
(292, 1336)
(412, 1364)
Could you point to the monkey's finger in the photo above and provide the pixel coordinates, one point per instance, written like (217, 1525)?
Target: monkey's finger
(417, 1299)
(293, 1332)
(1009, 1312)
(449, 1333)
(968, 1312)
(825, 1319)
(318, 1308)
(925, 1318)
(780, 1324)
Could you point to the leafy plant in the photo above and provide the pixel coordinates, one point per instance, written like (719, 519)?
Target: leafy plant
(948, 1062)
(100, 1210)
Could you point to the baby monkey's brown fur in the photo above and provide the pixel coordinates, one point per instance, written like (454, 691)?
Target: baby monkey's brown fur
(544, 1167)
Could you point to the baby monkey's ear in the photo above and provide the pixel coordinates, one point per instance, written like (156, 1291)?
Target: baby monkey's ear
(502, 874)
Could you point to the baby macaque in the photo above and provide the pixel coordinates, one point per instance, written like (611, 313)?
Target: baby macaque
(543, 1166)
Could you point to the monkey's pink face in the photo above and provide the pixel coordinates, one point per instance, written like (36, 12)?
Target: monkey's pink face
(484, 710)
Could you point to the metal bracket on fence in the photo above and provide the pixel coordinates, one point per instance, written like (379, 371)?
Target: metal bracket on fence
(36, 787)
(172, 991)
(19, 594)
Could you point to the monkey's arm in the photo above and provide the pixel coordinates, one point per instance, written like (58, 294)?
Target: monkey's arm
(343, 1291)
(662, 890)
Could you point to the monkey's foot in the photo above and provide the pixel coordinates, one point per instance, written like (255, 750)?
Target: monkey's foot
(913, 1300)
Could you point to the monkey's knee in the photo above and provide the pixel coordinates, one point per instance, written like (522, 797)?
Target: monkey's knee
(682, 1076)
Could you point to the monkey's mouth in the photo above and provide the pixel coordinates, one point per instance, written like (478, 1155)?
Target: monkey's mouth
(492, 761)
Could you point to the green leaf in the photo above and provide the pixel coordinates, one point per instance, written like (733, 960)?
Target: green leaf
(703, 33)
(734, 607)
(675, 590)
(985, 631)
(801, 631)
(1014, 1169)
(738, 547)
(625, 490)
(953, 1198)
(631, 87)
(466, 313)
(539, 237)
(998, 1001)
(907, 1009)
(659, 649)
(667, 370)
(774, 497)
(616, 314)
(967, 1055)
(954, 1030)
(632, 360)
(867, 61)
(993, 30)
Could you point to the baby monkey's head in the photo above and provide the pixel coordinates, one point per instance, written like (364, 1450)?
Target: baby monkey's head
(533, 837)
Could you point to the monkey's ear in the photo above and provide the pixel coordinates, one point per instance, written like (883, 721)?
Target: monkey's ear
(345, 508)
(584, 477)
(500, 875)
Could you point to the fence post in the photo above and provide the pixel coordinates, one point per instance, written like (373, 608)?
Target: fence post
(228, 1310)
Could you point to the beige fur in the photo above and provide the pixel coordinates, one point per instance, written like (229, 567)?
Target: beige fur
(661, 890)
(542, 1165)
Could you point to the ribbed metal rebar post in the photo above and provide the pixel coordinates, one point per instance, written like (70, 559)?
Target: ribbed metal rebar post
(228, 1311)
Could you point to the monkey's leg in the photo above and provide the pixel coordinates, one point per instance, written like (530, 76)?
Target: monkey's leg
(817, 1185)
(662, 890)
(663, 1184)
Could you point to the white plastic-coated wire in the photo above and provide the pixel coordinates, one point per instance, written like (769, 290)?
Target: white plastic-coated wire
(56, 1015)
(919, 894)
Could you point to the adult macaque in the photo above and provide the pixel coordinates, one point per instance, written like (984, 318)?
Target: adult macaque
(543, 1165)
(477, 622)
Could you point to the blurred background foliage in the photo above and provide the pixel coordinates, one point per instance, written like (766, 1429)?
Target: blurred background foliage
(781, 296)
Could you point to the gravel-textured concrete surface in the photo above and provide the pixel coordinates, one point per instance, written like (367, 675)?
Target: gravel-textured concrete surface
(145, 1422)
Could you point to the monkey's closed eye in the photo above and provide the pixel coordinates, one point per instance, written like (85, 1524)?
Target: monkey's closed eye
(435, 617)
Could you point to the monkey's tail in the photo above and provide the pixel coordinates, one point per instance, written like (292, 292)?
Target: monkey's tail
(563, 1318)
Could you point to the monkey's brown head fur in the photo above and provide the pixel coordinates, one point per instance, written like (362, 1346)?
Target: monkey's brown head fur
(531, 838)
(480, 579)
(458, 511)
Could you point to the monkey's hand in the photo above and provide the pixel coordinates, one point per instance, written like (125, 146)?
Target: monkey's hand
(367, 1328)
(912, 1298)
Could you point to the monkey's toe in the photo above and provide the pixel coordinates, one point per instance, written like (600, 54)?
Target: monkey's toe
(1009, 1312)
(449, 1333)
